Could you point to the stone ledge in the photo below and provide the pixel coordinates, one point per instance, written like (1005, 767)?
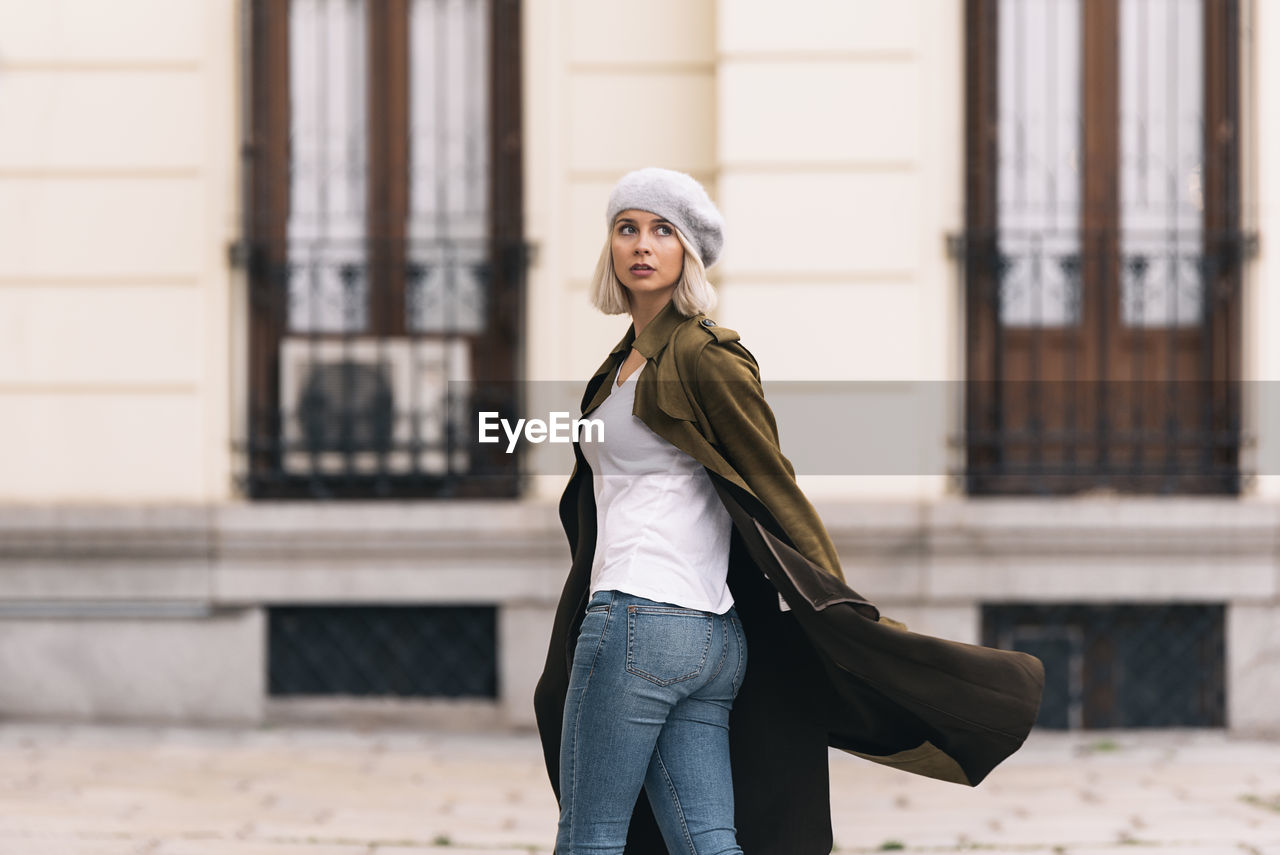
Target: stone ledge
(372, 713)
(1105, 525)
(499, 551)
(139, 532)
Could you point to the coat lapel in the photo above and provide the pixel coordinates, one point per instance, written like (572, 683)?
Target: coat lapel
(598, 385)
(650, 343)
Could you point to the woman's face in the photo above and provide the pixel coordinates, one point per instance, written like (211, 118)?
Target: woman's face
(647, 256)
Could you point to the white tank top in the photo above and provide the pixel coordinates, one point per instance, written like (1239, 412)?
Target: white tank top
(661, 530)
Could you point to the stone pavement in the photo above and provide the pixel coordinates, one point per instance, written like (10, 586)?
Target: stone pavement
(305, 790)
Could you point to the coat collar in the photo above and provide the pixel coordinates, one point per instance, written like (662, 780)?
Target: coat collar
(654, 339)
(650, 344)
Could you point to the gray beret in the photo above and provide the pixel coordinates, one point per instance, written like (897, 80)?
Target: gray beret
(677, 197)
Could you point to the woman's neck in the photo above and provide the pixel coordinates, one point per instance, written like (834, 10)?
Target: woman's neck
(642, 313)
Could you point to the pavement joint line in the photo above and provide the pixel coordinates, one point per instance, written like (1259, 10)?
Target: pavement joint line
(309, 840)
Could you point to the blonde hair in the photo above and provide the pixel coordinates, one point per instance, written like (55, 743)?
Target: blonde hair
(693, 292)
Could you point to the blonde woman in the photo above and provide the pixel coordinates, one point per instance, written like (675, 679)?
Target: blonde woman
(692, 542)
(660, 654)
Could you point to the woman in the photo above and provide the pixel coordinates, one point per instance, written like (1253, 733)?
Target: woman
(647, 663)
(660, 654)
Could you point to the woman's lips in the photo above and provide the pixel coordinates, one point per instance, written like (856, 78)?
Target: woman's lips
(642, 271)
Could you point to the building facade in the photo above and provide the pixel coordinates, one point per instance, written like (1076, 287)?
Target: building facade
(259, 255)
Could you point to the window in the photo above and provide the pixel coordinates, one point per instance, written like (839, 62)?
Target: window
(1120, 665)
(385, 247)
(1102, 249)
(382, 650)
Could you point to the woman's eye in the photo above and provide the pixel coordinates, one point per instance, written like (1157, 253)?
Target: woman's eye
(627, 228)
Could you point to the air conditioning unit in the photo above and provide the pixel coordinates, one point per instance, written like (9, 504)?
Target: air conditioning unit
(373, 405)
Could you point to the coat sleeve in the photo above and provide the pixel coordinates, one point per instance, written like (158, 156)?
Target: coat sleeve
(728, 388)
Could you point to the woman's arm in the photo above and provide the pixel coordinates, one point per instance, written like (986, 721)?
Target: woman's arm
(727, 385)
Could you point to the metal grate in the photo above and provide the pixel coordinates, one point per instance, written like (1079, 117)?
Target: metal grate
(416, 651)
(1120, 666)
(1087, 406)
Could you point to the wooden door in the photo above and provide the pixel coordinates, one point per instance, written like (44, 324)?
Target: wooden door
(1102, 246)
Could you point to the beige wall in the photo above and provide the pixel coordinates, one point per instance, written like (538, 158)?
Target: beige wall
(833, 151)
(608, 88)
(117, 195)
(840, 176)
(1261, 139)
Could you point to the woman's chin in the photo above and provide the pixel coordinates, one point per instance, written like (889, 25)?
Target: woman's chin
(647, 289)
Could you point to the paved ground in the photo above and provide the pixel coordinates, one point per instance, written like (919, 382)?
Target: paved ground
(110, 790)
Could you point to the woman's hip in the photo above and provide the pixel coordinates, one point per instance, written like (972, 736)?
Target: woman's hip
(668, 646)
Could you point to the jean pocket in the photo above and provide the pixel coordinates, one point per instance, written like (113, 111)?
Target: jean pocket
(667, 645)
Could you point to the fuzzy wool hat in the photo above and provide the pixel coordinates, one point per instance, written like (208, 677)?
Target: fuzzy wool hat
(675, 196)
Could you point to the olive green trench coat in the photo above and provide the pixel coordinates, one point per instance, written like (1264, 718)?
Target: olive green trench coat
(831, 671)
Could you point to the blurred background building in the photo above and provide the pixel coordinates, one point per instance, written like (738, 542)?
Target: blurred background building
(257, 255)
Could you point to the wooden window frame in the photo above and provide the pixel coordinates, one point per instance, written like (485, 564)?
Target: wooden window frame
(985, 364)
(266, 153)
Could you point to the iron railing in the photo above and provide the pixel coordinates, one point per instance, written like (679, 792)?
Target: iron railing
(348, 413)
(1100, 364)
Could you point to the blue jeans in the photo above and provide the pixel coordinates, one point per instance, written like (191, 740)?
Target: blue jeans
(648, 705)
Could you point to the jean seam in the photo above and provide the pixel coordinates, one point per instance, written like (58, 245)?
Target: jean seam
(664, 610)
(632, 668)
(742, 657)
(577, 721)
(571, 637)
(675, 800)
